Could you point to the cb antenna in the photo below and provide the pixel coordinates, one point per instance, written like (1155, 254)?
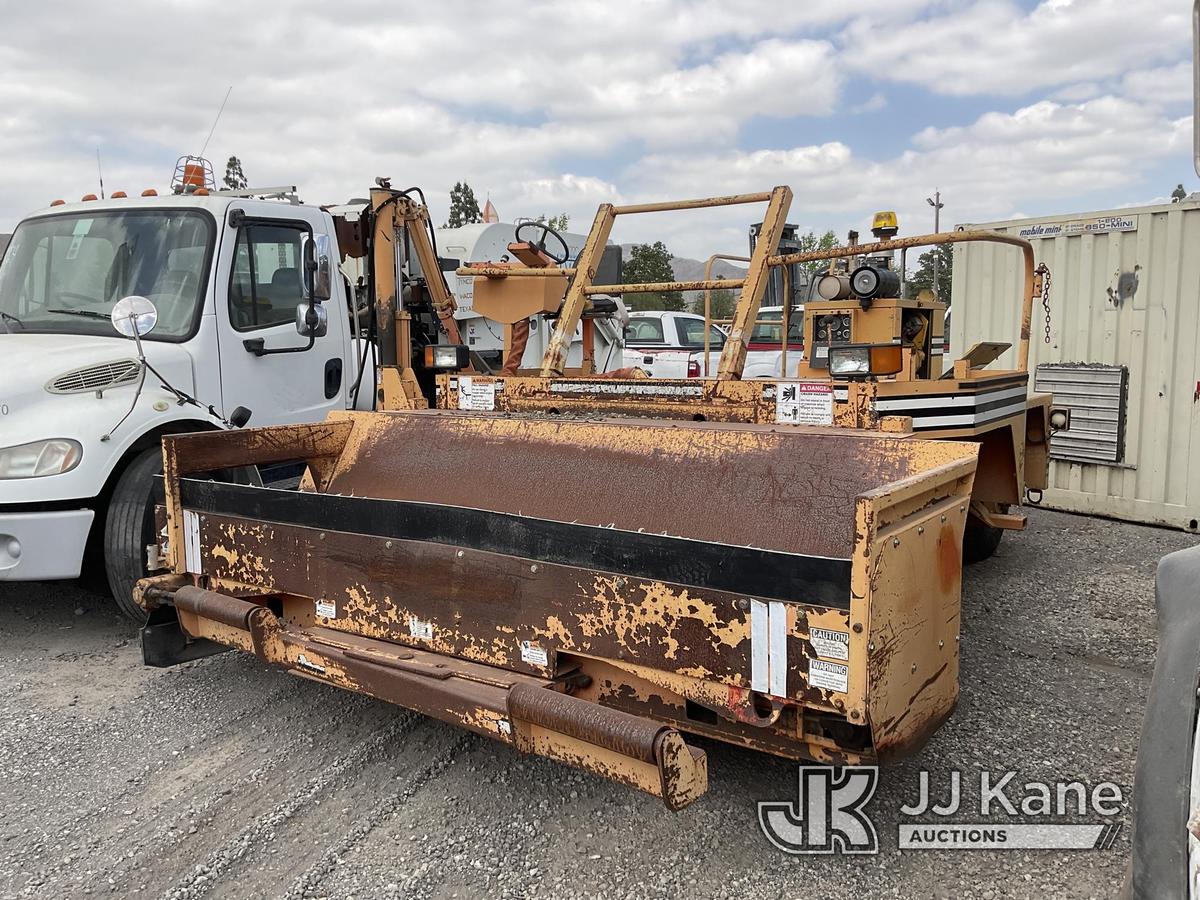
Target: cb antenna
(100, 172)
(216, 120)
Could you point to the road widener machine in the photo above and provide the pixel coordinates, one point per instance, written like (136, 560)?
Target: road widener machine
(590, 567)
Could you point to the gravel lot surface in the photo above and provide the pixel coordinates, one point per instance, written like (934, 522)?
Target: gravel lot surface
(224, 778)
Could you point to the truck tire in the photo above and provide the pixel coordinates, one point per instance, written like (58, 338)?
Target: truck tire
(980, 542)
(129, 527)
(129, 524)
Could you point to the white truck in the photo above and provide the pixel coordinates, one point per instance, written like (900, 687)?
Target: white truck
(81, 420)
(671, 344)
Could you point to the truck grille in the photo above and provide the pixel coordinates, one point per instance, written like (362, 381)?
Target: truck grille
(95, 378)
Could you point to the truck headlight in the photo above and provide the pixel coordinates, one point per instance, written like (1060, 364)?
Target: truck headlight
(853, 360)
(447, 357)
(850, 361)
(52, 457)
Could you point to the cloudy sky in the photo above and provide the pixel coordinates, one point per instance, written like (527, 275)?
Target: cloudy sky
(1010, 107)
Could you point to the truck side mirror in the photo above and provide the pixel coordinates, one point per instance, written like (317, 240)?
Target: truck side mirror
(311, 320)
(134, 316)
(318, 267)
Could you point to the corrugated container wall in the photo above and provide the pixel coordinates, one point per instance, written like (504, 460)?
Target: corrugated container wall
(1125, 294)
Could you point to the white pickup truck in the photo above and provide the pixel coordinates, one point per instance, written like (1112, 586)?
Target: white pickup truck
(671, 344)
(79, 430)
(764, 351)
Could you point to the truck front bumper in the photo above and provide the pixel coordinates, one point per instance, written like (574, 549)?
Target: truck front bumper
(43, 546)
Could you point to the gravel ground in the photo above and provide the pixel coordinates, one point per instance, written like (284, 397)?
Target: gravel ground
(224, 778)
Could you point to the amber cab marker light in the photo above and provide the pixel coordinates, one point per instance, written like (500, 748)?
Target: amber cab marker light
(117, 195)
(149, 192)
(57, 202)
(87, 198)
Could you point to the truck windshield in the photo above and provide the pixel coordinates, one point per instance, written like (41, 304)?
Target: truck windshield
(64, 273)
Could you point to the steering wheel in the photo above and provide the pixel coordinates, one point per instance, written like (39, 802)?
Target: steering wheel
(545, 231)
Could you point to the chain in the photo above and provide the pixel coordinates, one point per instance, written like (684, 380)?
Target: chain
(1044, 272)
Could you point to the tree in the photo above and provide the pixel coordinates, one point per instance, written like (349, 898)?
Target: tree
(649, 264)
(922, 278)
(235, 179)
(810, 243)
(558, 223)
(721, 304)
(464, 208)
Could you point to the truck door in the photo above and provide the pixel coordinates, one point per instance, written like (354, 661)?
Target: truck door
(260, 283)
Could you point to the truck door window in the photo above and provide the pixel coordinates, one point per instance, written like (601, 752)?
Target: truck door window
(691, 334)
(267, 283)
(644, 331)
(770, 327)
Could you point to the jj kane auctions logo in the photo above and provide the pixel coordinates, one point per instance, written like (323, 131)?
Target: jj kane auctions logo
(830, 814)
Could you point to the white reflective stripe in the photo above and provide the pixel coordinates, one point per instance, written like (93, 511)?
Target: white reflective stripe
(991, 415)
(969, 400)
(191, 542)
(778, 630)
(759, 646)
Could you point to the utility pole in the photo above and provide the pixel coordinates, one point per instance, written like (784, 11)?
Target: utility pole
(936, 202)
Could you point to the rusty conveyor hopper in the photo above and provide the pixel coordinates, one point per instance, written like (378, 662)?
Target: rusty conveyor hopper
(590, 589)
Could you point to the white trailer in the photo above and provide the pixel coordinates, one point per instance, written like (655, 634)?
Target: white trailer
(1123, 351)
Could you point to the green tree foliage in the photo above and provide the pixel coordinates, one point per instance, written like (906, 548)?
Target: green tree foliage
(464, 208)
(810, 243)
(922, 278)
(648, 264)
(558, 223)
(721, 304)
(235, 179)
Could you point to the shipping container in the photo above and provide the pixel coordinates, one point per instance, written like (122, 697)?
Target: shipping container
(1120, 351)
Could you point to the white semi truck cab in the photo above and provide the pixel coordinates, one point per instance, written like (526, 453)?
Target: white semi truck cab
(80, 419)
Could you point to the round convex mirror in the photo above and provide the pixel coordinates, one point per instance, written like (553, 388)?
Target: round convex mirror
(134, 315)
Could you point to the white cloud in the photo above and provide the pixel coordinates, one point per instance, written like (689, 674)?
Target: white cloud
(1162, 85)
(987, 170)
(996, 47)
(328, 97)
(874, 103)
(555, 107)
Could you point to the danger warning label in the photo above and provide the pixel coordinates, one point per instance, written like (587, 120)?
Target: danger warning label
(804, 403)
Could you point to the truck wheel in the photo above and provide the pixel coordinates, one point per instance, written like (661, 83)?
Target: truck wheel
(129, 527)
(129, 524)
(980, 542)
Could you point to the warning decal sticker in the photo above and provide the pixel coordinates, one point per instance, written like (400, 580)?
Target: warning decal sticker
(833, 644)
(827, 675)
(804, 403)
(476, 395)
